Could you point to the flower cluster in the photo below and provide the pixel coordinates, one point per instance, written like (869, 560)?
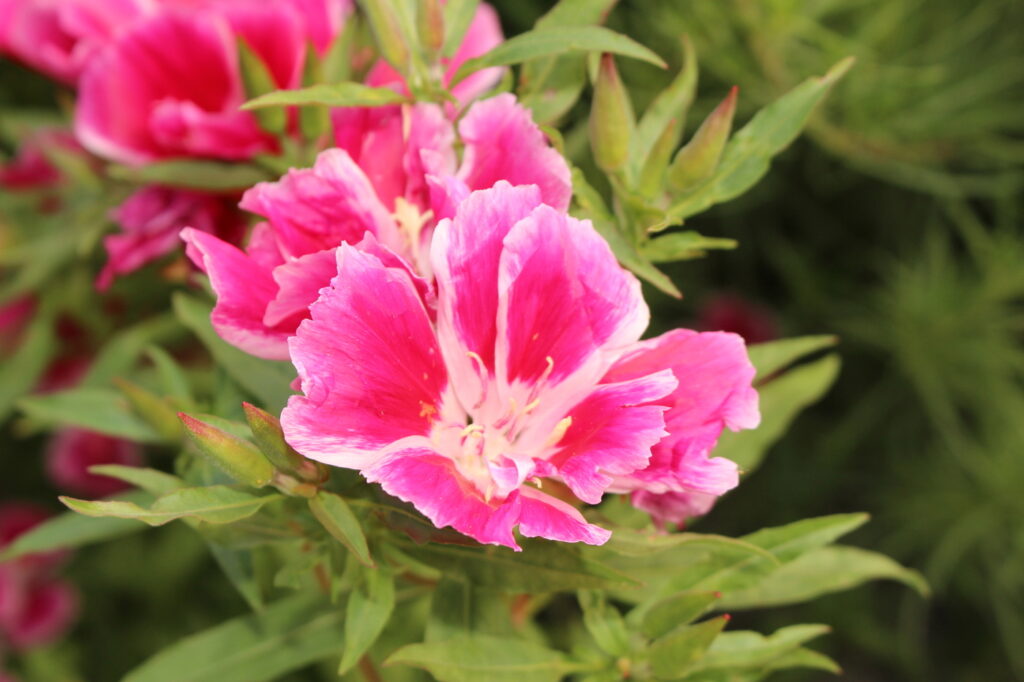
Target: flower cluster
(459, 337)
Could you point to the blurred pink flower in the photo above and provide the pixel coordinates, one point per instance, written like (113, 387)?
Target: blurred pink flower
(31, 169)
(733, 313)
(151, 219)
(72, 451)
(530, 368)
(60, 37)
(14, 319)
(394, 177)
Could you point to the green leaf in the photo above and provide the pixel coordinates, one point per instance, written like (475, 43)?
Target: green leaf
(794, 539)
(152, 481)
(20, 372)
(805, 658)
(192, 174)
(682, 246)
(548, 42)
(541, 567)
(604, 623)
(675, 653)
(749, 153)
(672, 103)
(773, 356)
(258, 81)
(477, 657)
(745, 650)
(781, 400)
(213, 504)
(70, 530)
(368, 610)
(337, 518)
(172, 377)
(267, 380)
(823, 571)
(458, 15)
(288, 635)
(121, 351)
(97, 409)
(348, 94)
(662, 616)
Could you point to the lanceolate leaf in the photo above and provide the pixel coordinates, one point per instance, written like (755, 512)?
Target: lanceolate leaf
(97, 409)
(662, 616)
(790, 541)
(152, 481)
(822, 571)
(70, 530)
(682, 246)
(350, 94)
(286, 636)
(213, 504)
(604, 623)
(192, 174)
(337, 518)
(474, 658)
(748, 154)
(772, 356)
(21, 371)
(368, 610)
(548, 42)
(674, 654)
(751, 650)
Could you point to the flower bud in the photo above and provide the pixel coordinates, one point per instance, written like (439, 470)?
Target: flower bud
(236, 457)
(699, 158)
(430, 25)
(266, 429)
(611, 118)
(153, 409)
(387, 29)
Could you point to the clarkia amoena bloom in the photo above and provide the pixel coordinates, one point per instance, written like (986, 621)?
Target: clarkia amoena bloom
(523, 368)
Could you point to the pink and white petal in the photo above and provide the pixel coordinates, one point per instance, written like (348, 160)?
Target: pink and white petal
(611, 434)
(446, 193)
(543, 516)
(465, 254)
(430, 148)
(244, 290)
(390, 259)
(715, 378)
(433, 484)
(369, 365)
(673, 507)
(503, 143)
(483, 35)
(299, 282)
(566, 309)
(318, 208)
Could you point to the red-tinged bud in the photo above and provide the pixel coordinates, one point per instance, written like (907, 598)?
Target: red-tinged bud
(154, 410)
(698, 160)
(430, 25)
(726, 617)
(266, 430)
(611, 118)
(236, 457)
(387, 29)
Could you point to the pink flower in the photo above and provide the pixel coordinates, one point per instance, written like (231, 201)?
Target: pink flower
(529, 369)
(732, 313)
(17, 518)
(393, 178)
(151, 219)
(31, 169)
(170, 85)
(72, 451)
(15, 317)
(60, 37)
(41, 613)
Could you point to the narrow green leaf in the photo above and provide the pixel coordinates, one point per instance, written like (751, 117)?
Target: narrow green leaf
(288, 635)
(781, 400)
(746, 650)
(476, 657)
(548, 42)
(193, 174)
(348, 94)
(772, 356)
(458, 15)
(576, 13)
(337, 518)
(682, 246)
(674, 654)
(604, 623)
(121, 351)
(70, 530)
(152, 481)
(541, 566)
(213, 504)
(257, 80)
(823, 571)
(172, 378)
(154, 410)
(267, 380)
(663, 616)
(20, 372)
(368, 610)
(805, 658)
(748, 154)
(97, 409)
(793, 539)
(671, 104)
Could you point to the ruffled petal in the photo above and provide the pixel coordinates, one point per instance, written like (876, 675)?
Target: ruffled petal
(503, 143)
(369, 365)
(543, 516)
(673, 507)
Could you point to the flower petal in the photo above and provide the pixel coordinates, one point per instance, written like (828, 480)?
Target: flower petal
(503, 143)
(673, 507)
(543, 516)
(369, 366)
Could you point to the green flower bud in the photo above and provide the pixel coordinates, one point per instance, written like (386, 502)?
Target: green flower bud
(611, 118)
(237, 457)
(698, 160)
(266, 430)
(154, 410)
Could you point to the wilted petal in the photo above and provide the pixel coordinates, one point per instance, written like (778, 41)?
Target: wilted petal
(503, 143)
(369, 363)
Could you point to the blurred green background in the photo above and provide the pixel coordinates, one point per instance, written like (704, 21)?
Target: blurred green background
(895, 222)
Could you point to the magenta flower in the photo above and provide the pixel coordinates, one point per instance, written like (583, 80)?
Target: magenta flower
(733, 313)
(394, 177)
(72, 451)
(170, 85)
(529, 370)
(151, 219)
